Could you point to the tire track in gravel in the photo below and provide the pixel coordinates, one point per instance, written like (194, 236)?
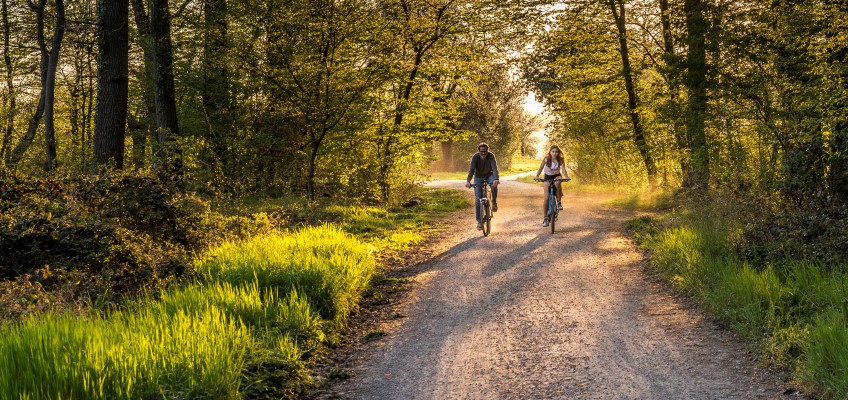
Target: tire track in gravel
(523, 314)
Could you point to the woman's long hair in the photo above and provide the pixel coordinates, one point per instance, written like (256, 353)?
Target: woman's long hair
(560, 158)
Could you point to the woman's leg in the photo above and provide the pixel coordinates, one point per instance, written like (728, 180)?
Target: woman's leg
(545, 203)
(559, 191)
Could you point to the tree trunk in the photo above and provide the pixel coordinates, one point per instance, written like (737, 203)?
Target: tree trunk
(837, 177)
(142, 23)
(76, 92)
(50, 85)
(109, 130)
(447, 155)
(139, 132)
(698, 175)
(310, 171)
(400, 109)
(86, 132)
(9, 97)
(672, 75)
(163, 89)
(15, 156)
(216, 97)
(617, 7)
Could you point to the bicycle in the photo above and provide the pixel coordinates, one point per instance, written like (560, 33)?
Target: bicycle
(553, 211)
(486, 208)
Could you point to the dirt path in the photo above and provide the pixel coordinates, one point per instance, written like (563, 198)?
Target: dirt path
(524, 314)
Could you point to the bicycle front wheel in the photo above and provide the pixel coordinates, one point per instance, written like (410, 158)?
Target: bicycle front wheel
(552, 212)
(487, 220)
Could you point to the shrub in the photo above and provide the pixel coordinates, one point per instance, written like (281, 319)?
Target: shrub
(100, 238)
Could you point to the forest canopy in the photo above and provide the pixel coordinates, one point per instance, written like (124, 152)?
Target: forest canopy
(272, 97)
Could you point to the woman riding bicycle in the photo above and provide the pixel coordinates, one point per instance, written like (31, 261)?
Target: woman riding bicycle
(552, 164)
(483, 167)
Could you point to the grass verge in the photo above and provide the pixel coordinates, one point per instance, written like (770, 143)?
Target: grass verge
(795, 312)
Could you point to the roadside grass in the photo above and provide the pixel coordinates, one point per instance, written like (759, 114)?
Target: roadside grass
(323, 264)
(394, 229)
(124, 356)
(447, 175)
(247, 325)
(795, 312)
(386, 229)
(520, 165)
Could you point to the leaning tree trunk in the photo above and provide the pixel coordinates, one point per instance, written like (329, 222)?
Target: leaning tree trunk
(617, 7)
(698, 175)
(109, 129)
(9, 96)
(15, 156)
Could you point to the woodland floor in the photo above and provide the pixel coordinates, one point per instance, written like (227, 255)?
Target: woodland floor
(523, 314)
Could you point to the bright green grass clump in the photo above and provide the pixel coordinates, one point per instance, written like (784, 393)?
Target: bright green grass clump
(124, 356)
(259, 302)
(328, 266)
(260, 309)
(797, 312)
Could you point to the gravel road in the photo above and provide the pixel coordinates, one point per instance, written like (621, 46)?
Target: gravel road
(523, 314)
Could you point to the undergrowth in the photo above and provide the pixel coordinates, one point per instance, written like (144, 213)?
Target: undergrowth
(266, 285)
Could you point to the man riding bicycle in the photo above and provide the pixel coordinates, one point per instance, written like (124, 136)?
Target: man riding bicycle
(484, 167)
(553, 165)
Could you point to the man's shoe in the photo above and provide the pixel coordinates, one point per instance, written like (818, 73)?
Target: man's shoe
(559, 206)
(494, 207)
(545, 222)
(479, 225)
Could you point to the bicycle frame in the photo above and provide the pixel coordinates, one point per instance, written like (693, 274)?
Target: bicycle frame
(553, 212)
(486, 207)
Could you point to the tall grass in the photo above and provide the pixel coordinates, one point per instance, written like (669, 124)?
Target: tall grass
(124, 356)
(797, 312)
(259, 301)
(292, 315)
(826, 362)
(328, 266)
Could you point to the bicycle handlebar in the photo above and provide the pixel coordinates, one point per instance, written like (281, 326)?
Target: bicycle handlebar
(481, 184)
(552, 180)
